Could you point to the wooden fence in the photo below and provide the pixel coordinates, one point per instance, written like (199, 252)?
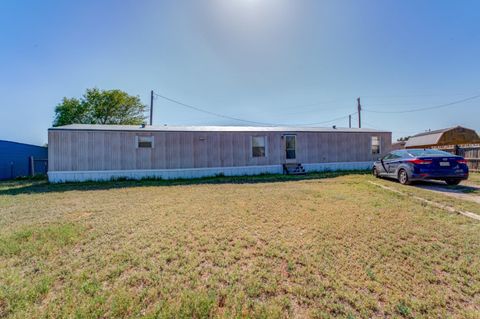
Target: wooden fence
(472, 155)
(471, 152)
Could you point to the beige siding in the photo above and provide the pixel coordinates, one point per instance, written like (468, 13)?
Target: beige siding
(113, 150)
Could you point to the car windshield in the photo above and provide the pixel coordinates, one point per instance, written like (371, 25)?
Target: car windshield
(428, 152)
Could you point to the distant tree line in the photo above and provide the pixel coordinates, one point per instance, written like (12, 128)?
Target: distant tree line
(403, 139)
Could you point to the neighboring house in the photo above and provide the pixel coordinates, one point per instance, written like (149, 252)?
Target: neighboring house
(101, 152)
(18, 159)
(399, 145)
(444, 138)
(456, 140)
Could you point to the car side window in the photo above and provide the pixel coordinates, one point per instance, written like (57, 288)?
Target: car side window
(391, 156)
(405, 154)
(387, 157)
(396, 154)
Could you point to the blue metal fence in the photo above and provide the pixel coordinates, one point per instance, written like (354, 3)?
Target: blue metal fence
(15, 159)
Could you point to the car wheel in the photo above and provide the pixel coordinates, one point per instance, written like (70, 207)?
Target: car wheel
(375, 172)
(452, 181)
(403, 177)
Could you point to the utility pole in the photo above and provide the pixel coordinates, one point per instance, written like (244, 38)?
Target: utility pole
(350, 120)
(359, 108)
(151, 107)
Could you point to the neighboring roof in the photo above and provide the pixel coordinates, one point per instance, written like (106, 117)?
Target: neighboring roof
(424, 139)
(443, 130)
(18, 143)
(430, 137)
(139, 128)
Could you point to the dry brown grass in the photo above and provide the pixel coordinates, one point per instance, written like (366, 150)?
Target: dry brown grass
(312, 248)
(474, 178)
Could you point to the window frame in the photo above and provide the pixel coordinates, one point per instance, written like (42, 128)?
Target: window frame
(265, 146)
(294, 136)
(138, 141)
(379, 145)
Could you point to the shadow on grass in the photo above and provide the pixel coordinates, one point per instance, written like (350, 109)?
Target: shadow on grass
(442, 187)
(19, 187)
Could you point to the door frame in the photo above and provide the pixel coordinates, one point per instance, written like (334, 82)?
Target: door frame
(289, 160)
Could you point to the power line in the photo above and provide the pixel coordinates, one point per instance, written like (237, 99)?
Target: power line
(314, 111)
(371, 125)
(394, 96)
(323, 105)
(425, 108)
(198, 109)
(329, 121)
(393, 131)
(212, 113)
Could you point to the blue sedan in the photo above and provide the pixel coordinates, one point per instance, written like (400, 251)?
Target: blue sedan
(412, 165)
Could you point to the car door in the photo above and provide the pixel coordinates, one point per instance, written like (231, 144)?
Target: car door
(393, 163)
(383, 167)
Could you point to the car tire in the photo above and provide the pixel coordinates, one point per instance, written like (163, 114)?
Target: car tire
(452, 181)
(375, 172)
(403, 177)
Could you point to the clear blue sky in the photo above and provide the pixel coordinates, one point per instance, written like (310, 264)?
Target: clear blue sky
(275, 61)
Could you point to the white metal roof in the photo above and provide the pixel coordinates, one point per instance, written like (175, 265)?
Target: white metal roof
(430, 139)
(167, 128)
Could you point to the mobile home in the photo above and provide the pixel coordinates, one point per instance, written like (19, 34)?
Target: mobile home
(82, 152)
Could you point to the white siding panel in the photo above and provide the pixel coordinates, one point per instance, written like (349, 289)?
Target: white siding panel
(337, 166)
(82, 176)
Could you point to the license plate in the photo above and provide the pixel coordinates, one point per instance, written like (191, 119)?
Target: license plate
(444, 163)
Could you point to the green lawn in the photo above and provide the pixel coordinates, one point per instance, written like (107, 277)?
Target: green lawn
(261, 247)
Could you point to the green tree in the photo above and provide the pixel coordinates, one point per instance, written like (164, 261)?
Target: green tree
(403, 139)
(100, 107)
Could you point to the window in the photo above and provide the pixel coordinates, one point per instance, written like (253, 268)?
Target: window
(428, 152)
(375, 145)
(290, 147)
(396, 155)
(258, 146)
(402, 154)
(388, 157)
(144, 141)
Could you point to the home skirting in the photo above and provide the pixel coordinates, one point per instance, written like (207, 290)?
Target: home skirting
(189, 173)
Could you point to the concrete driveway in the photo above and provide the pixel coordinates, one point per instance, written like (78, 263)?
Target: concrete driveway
(466, 190)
